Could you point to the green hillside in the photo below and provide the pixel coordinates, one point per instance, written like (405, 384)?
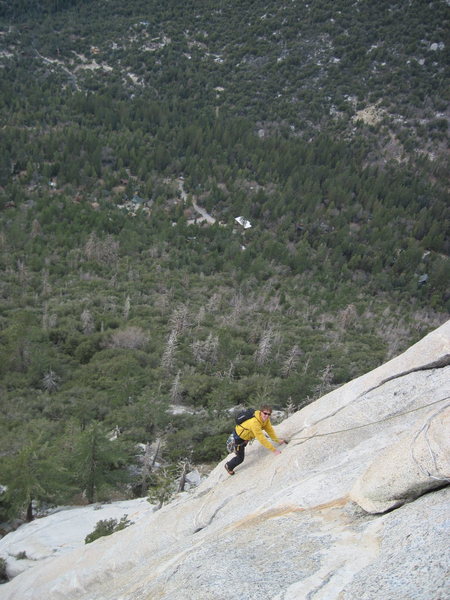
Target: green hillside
(322, 124)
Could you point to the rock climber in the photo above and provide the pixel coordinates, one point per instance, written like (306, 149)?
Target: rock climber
(248, 430)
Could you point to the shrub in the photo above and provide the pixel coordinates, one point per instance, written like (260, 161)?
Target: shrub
(212, 449)
(131, 337)
(3, 575)
(107, 527)
(162, 487)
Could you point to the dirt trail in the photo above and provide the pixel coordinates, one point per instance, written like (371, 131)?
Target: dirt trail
(204, 216)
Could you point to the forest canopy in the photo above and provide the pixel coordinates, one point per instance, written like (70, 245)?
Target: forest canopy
(129, 320)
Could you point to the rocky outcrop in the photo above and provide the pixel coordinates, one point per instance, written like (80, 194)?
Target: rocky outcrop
(295, 526)
(417, 463)
(62, 531)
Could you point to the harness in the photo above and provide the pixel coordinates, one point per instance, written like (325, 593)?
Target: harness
(235, 442)
(238, 440)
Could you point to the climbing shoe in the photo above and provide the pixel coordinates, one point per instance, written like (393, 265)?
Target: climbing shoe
(228, 470)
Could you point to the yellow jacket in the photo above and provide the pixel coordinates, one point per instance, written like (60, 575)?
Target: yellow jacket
(254, 428)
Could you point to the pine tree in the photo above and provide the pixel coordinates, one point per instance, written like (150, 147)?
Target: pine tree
(97, 462)
(163, 487)
(35, 474)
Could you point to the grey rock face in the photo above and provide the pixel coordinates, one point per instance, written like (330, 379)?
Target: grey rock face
(412, 563)
(287, 527)
(417, 463)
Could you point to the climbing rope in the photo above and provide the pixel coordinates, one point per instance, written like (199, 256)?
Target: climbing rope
(425, 427)
(406, 412)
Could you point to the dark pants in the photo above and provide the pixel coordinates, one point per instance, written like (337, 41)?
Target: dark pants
(240, 455)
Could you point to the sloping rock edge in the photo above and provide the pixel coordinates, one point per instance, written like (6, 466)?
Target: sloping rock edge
(289, 516)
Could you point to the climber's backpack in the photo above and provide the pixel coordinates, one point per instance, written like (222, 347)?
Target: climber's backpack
(244, 415)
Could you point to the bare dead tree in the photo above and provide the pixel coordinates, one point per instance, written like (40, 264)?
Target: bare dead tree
(206, 351)
(90, 246)
(179, 319)
(50, 381)
(273, 304)
(347, 316)
(237, 305)
(325, 382)
(214, 302)
(87, 322)
(200, 316)
(104, 251)
(127, 307)
(230, 372)
(158, 448)
(265, 346)
(22, 271)
(291, 408)
(184, 467)
(306, 365)
(133, 338)
(169, 351)
(175, 390)
(148, 462)
(291, 360)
